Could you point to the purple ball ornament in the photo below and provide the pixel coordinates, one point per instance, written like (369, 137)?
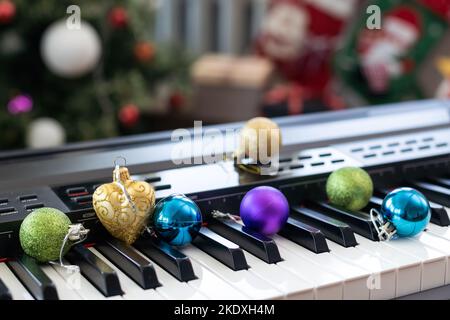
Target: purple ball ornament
(264, 210)
(20, 104)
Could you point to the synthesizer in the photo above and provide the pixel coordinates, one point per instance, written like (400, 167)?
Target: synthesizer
(321, 253)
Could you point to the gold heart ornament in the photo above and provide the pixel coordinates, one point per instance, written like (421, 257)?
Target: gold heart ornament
(124, 206)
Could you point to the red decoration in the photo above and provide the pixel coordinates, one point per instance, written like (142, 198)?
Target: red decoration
(380, 51)
(177, 101)
(118, 17)
(440, 7)
(290, 99)
(291, 94)
(7, 11)
(300, 37)
(144, 51)
(129, 115)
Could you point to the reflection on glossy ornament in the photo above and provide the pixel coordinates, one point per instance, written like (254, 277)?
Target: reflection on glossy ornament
(264, 209)
(408, 210)
(177, 220)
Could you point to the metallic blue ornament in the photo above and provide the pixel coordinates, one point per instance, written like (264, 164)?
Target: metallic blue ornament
(177, 220)
(408, 210)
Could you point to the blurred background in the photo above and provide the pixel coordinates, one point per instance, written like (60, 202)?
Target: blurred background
(74, 71)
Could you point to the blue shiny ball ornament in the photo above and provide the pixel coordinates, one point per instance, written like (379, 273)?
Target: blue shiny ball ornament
(177, 220)
(408, 210)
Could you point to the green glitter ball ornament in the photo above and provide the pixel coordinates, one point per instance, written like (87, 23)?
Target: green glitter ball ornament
(42, 234)
(350, 188)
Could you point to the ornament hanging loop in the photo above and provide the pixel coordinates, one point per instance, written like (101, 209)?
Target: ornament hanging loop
(119, 182)
(225, 216)
(116, 162)
(151, 232)
(385, 230)
(77, 233)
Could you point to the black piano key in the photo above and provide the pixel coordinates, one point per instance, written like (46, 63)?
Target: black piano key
(439, 215)
(221, 249)
(130, 262)
(360, 222)
(333, 229)
(433, 192)
(255, 243)
(445, 182)
(304, 235)
(170, 259)
(5, 294)
(102, 276)
(33, 278)
(442, 218)
(374, 203)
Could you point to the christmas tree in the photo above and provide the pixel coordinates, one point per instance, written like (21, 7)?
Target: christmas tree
(82, 70)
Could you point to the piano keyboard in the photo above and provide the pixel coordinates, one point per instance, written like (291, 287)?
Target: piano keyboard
(226, 261)
(321, 253)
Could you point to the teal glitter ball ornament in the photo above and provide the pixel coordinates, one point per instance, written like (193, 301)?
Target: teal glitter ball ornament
(408, 210)
(177, 220)
(42, 234)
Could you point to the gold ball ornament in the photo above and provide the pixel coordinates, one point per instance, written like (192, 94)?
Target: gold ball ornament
(124, 206)
(259, 134)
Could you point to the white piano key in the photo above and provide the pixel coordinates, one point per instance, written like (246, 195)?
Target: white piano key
(81, 285)
(433, 262)
(383, 272)
(439, 244)
(65, 291)
(292, 286)
(443, 232)
(173, 289)
(16, 288)
(355, 279)
(409, 269)
(207, 285)
(242, 280)
(213, 286)
(132, 291)
(327, 285)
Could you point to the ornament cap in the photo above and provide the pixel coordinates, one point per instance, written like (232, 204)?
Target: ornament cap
(121, 174)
